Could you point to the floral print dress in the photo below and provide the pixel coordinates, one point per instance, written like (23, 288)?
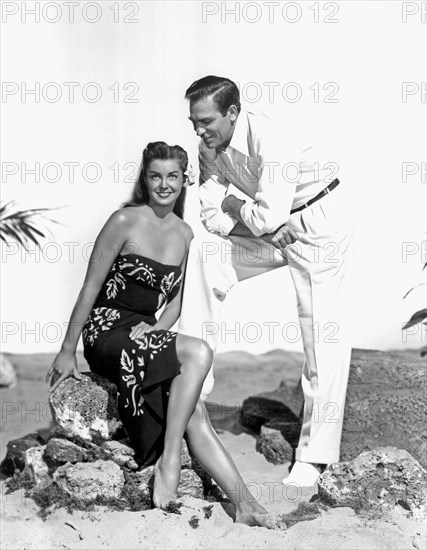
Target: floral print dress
(134, 289)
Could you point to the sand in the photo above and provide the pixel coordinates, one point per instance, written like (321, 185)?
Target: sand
(239, 375)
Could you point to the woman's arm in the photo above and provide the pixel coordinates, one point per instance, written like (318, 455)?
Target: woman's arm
(109, 242)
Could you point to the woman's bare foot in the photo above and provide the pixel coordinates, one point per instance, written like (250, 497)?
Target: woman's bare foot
(162, 495)
(255, 519)
(257, 516)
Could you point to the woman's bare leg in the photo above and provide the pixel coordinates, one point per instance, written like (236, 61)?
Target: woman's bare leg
(210, 452)
(195, 357)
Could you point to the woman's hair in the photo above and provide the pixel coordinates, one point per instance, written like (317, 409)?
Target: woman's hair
(158, 150)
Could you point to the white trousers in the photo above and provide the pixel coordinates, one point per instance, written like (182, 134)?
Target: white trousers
(318, 262)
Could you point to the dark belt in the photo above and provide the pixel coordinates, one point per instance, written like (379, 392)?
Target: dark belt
(325, 191)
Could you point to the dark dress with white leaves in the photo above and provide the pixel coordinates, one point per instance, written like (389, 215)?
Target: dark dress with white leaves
(134, 289)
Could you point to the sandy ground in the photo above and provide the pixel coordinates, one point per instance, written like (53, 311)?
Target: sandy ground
(239, 375)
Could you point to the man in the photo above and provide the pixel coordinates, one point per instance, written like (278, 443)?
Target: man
(287, 218)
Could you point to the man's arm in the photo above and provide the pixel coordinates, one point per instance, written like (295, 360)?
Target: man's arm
(212, 190)
(222, 214)
(273, 201)
(280, 238)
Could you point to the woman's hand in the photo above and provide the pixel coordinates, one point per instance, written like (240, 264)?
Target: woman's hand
(140, 329)
(64, 365)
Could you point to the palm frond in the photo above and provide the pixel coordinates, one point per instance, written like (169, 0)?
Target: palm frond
(413, 288)
(416, 318)
(19, 225)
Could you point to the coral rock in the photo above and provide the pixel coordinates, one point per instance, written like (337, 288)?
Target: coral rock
(86, 407)
(185, 455)
(121, 453)
(145, 479)
(35, 465)
(59, 451)
(87, 481)
(377, 480)
(16, 458)
(190, 484)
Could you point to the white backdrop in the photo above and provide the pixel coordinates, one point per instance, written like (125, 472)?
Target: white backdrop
(87, 85)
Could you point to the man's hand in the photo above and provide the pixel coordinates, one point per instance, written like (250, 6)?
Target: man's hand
(232, 205)
(281, 238)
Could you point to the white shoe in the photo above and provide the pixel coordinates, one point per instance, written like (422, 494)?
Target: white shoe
(303, 474)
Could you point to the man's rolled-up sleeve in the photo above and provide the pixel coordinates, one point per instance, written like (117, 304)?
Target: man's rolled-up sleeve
(212, 191)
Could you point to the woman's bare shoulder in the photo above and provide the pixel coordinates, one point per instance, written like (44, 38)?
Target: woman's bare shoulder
(185, 229)
(129, 214)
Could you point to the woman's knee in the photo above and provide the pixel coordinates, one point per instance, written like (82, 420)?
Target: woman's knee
(204, 354)
(194, 351)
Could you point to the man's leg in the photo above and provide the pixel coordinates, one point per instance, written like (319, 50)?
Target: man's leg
(214, 265)
(318, 265)
(209, 275)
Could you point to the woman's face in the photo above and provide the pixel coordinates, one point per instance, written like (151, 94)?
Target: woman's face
(165, 181)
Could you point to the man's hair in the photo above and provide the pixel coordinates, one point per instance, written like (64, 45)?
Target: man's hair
(224, 92)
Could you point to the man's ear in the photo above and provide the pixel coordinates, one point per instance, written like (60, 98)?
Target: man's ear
(233, 113)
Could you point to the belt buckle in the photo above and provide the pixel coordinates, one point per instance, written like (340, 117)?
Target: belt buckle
(327, 190)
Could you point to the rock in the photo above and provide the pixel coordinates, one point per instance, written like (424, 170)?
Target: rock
(217, 493)
(206, 479)
(15, 458)
(289, 430)
(377, 480)
(210, 487)
(185, 455)
(7, 372)
(59, 451)
(145, 479)
(36, 466)
(86, 407)
(121, 453)
(190, 484)
(273, 445)
(86, 481)
(385, 403)
(284, 404)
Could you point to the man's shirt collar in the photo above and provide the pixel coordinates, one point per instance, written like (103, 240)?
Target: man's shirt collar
(239, 139)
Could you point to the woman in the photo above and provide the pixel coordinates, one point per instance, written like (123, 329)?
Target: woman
(135, 269)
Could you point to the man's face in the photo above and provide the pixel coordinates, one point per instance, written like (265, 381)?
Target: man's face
(209, 124)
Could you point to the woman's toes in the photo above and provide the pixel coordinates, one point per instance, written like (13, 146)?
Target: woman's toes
(269, 521)
(272, 521)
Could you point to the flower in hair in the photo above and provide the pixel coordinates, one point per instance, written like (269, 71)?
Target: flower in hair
(189, 174)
